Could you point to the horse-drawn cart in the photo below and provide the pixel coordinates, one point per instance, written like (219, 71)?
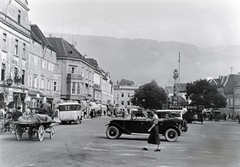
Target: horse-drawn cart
(39, 126)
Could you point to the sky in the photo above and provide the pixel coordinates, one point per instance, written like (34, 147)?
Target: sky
(199, 22)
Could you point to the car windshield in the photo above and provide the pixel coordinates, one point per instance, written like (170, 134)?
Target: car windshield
(138, 114)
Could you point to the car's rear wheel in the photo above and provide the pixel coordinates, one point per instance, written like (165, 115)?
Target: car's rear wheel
(171, 134)
(113, 132)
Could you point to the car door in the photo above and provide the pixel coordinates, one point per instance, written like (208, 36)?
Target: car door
(138, 126)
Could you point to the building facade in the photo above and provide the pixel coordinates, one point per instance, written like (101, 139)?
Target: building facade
(227, 86)
(122, 96)
(77, 73)
(15, 41)
(44, 79)
(237, 99)
(106, 88)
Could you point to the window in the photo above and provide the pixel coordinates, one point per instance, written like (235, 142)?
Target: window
(19, 16)
(24, 51)
(122, 102)
(35, 60)
(38, 82)
(73, 87)
(43, 64)
(29, 80)
(72, 70)
(42, 83)
(48, 85)
(4, 47)
(129, 95)
(55, 86)
(23, 77)
(122, 94)
(78, 88)
(128, 103)
(16, 48)
(34, 83)
(3, 72)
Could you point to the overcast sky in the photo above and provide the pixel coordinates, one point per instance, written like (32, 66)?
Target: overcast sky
(198, 22)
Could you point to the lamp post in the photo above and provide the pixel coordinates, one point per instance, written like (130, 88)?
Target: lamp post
(9, 81)
(17, 77)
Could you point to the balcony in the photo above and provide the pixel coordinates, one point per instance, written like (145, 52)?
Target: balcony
(74, 76)
(97, 86)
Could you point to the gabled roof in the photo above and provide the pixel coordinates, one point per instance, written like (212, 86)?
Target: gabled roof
(37, 33)
(231, 81)
(65, 49)
(218, 82)
(226, 82)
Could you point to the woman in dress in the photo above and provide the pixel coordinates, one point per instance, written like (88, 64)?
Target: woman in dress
(154, 133)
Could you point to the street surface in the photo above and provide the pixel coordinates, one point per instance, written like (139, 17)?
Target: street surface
(212, 144)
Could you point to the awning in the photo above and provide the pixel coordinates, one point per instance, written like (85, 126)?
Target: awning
(84, 103)
(104, 107)
(35, 92)
(93, 105)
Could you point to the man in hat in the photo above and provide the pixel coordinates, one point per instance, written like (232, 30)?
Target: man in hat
(17, 114)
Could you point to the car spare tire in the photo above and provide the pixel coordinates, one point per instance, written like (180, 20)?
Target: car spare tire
(113, 132)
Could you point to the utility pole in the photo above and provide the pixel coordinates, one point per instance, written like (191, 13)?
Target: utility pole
(179, 74)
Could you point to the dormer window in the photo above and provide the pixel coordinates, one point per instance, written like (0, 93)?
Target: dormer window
(70, 52)
(19, 16)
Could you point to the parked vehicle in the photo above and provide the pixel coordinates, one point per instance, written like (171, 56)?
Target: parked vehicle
(70, 112)
(177, 115)
(140, 124)
(193, 116)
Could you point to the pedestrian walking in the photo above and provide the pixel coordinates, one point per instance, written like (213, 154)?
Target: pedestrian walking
(154, 133)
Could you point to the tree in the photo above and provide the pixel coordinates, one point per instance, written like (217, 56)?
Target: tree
(125, 82)
(202, 93)
(150, 96)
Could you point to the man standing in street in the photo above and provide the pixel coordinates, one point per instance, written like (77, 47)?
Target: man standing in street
(17, 114)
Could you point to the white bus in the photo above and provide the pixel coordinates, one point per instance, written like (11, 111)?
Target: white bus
(70, 112)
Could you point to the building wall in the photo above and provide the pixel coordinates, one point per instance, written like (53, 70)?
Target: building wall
(97, 93)
(80, 86)
(15, 35)
(237, 100)
(123, 94)
(43, 75)
(106, 88)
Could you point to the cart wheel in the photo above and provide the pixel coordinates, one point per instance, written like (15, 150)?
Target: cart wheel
(40, 133)
(18, 133)
(30, 132)
(52, 133)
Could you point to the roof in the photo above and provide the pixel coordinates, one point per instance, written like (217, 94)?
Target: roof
(93, 62)
(39, 36)
(226, 82)
(65, 49)
(232, 81)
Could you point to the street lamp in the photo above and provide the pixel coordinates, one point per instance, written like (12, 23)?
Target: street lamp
(17, 78)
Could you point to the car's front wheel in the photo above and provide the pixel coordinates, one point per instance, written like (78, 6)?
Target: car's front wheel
(113, 132)
(171, 134)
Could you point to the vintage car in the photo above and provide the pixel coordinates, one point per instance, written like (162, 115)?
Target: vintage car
(140, 124)
(177, 115)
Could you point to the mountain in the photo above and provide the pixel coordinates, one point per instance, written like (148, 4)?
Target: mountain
(141, 60)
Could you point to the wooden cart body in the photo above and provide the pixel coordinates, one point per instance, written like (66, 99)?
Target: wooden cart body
(32, 128)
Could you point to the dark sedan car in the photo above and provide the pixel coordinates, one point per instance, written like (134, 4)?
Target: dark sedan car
(167, 127)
